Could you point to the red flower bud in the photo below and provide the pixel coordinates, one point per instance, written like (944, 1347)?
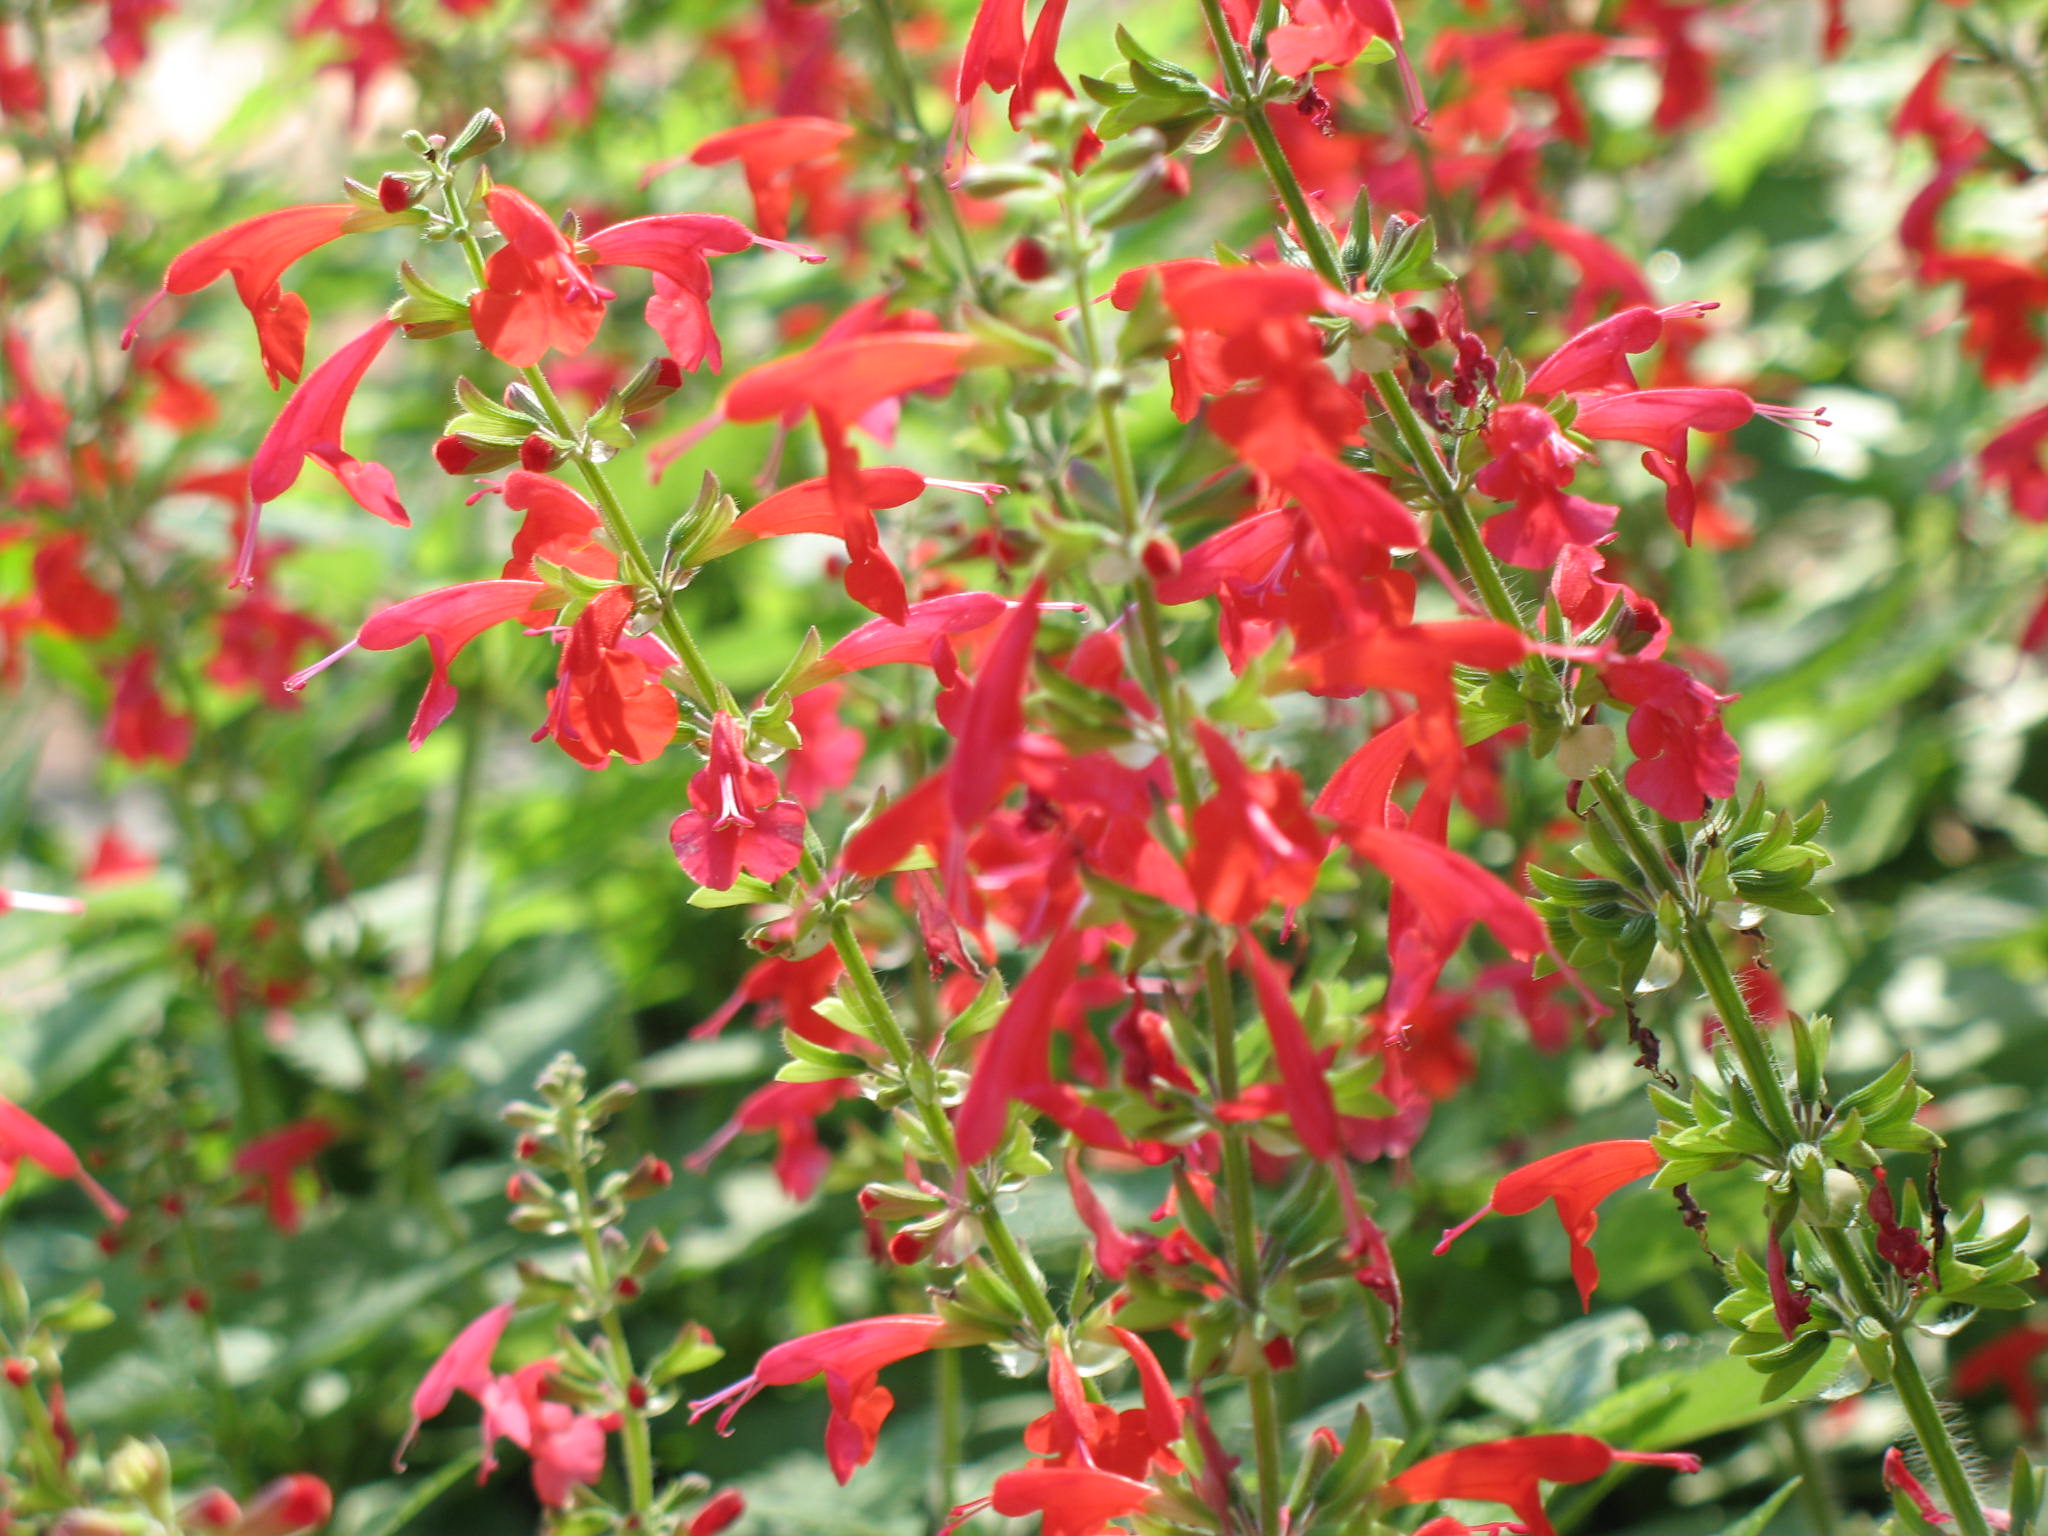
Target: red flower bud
(195, 1302)
(626, 1288)
(907, 1247)
(394, 193)
(537, 455)
(1162, 558)
(1029, 260)
(1279, 1353)
(295, 1503)
(213, 1510)
(527, 1148)
(717, 1515)
(18, 1373)
(636, 1393)
(453, 454)
(668, 373)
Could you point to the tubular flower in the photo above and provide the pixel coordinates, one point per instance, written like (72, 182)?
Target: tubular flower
(999, 56)
(840, 382)
(257, 251)
(270, 1162)
(25, 1138)
(1684, 755)
(1509, 1472)
(537, 294)
(1334, 32)
(1577, 1180)
(310, 426)
(675, 247)
(849, 1357)
(605, 697)
(1014, 1061)
(1310, 1108)
(2017, 458)
(447, 619)
(1532, 463)
(737, 819)
(298, 1502)
(2007, 1360)
(770, 154)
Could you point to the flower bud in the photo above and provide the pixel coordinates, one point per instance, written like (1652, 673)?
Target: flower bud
(537, 455)
(394, 193)
(1162, 558)
(139, 1470)
(212, 1511)
(717, 1515)
(19, 1372)
(481, 134)
(1028, 259)
(649, 1176)
(654, 383)
(295, 1503)
(1421, 326)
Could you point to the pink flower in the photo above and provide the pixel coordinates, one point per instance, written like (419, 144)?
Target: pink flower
(1684, 755)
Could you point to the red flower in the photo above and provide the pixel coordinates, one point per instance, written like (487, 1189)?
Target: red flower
(831, 753)
(998, 55)
(257, 251)
(849, 1357)
(737, 819)
(1577, 1180)
(840, 382)
(270, 1161)
(2017, 458)
(2001, 297)
(1509, 1471)
(1310, 1108)
(1684, 755)
(310, 426)
(447, 619)
(71, 602)
(567, 1447)
(1254, 843)
(1532, 463)
(2006, 1359)
(769, 153)
(606, 696)
(791, 1110)
(675, 248)
(1014, 1060)
(24, 1137)
(537, 294)
(140, 726)
(1332, 33)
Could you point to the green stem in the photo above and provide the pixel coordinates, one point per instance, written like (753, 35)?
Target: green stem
(634, 1432)
(632, 553)
(1924, 1414)
(881, 1021)
(948, 1406)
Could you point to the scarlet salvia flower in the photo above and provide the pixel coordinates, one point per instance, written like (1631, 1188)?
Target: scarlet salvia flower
(256, 252)
(840, 382)
(567, 1448)
(2001, 297)
(738, 820)
(1000, 57)
(718, 1513)
(1332, 33)
(1311, 1111)
(447, 619)
(675, 248)
(1684, 755)
(1791, 1309)
(1532, 463)
(141, 727)
(25, 1138)
(1577, 1180)
(850, 1357)
(1898, 1476)
(791, 1110)
(310, 426)
(1254, 844)
(2017, 460)
(1014, 1060)
(1510, 1472)
(271, 1162)
(769, 153)
(70, 601)
(464, 1366)
(606, 697)
(2006, 1359)
(537, 293)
